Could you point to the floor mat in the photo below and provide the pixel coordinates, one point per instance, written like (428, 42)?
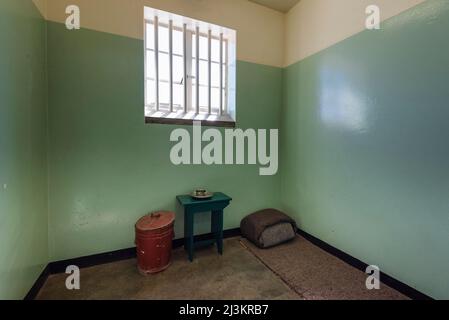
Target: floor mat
(317, 275)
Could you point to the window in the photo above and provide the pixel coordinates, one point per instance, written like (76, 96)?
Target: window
(189, 70)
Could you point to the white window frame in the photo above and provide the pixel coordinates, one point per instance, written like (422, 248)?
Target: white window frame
(192, 30)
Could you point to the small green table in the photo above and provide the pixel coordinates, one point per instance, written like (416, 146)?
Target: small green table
(215, 205)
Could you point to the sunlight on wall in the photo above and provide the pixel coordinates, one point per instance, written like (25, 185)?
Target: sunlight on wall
(340, 105)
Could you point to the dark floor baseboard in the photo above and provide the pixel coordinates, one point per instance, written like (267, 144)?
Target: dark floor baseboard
(107, 257)
(124, 254)
(403, 288)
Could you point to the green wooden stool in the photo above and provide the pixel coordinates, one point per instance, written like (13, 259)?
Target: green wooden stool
(215, 205)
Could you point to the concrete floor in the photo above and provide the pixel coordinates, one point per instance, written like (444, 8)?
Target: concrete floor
(244, 272)
(238, 274)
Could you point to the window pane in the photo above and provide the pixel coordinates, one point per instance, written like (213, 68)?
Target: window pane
(215, 54)
(204, 73)
(215, 95)
(151, 93)
(178, 69)
(150, 35)
(178, 42)
(202, 80)
(178, 97)
(163, 38)
(150, 63)
(204, 48)
(215, 75)
(164, 95)
(204, 97)
(193, 69)
(164, 67)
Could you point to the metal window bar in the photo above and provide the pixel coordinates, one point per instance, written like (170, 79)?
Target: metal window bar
(187, 81)
(184, 32)
(226, 83)
(167, 81)
(179, 83)
(189, 64)
(221, 74)
(145, 28)
(197, 83)
(209, 59)
(170, 57)
(156, 58)
(166, 52)
(162, 24)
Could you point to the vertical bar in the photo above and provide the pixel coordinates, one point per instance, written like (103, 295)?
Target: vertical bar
(226, 82)
(185, 66)
(145, 62)
(209, 61)
(156, 58)
(170, 58)
(221, 74)
(197, 70)
(189, 64)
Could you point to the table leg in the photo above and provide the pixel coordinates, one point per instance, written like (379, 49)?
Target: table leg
(188, 233)
(217, 228)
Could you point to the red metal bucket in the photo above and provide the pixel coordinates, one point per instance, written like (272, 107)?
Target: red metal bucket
(154, 235)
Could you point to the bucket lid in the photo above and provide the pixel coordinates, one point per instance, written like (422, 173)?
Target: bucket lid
(156, 220)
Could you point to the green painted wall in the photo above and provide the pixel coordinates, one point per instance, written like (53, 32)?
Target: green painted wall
(363, 141)
(107, 168)
(23, 148)
(364, 146)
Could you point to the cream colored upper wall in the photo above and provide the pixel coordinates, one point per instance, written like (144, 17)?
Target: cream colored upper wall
(42, 6)
(260, 30)
(264, 36)
(314, 25)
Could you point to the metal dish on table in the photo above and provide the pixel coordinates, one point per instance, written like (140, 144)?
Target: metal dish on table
(201, 194)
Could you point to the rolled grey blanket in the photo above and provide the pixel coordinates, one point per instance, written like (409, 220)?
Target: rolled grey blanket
(278, 227)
